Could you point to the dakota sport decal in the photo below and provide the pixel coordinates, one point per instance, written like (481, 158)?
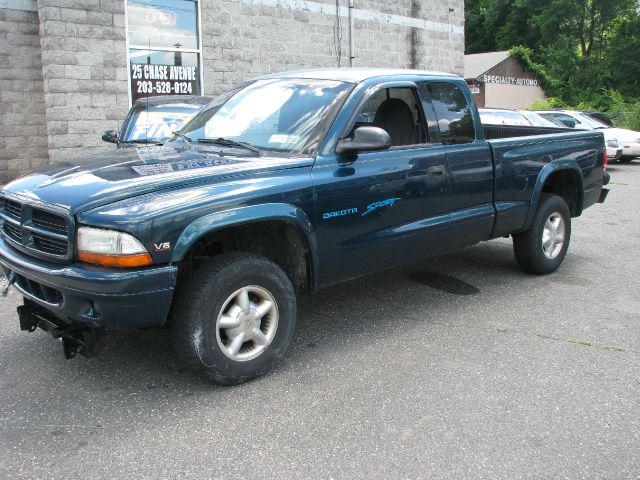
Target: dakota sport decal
(370, 208)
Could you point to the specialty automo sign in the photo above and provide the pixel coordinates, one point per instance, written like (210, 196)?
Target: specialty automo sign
(527, 82)
(149, 80)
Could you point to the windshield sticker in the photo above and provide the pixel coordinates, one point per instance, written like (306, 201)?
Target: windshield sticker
(283, 138)
(384, 203)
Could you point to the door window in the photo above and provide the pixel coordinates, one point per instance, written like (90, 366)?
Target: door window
(396, 110)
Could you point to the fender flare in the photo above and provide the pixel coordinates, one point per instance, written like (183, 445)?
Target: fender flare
(543, 176)
(247, 214)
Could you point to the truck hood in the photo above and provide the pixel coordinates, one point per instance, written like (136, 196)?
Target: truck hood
(126, 173)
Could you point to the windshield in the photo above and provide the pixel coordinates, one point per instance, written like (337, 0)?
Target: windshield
(279, 115)
(591, 122)
(156, 123)
(502, 118)
(540, 121)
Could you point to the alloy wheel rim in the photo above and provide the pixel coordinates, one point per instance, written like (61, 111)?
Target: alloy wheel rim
(553, 235)
(247, 323)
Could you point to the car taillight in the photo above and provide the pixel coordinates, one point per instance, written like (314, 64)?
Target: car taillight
(605, 160)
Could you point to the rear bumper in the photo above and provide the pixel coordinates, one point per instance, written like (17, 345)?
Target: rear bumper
(614, 153)
(630, 149)
(82, 294)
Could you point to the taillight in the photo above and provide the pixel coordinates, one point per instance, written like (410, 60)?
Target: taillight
(605, 160)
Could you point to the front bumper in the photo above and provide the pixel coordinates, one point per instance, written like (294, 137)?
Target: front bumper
(93, 296)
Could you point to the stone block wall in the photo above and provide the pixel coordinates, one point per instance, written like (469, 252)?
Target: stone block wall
(244, 38)
(84, 65)
(23, 131)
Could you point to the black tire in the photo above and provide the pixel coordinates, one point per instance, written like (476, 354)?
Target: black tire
(200, 344)
(625, 159)
(528, 246)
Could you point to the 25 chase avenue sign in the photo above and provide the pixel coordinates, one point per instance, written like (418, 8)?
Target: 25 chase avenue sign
(527, 82)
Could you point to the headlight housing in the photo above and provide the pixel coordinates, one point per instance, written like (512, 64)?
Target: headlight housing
(612, 143)
(111, 248)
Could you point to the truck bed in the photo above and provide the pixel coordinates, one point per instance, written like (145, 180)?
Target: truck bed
(493, 132)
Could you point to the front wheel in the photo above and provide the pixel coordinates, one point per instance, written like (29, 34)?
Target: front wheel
(543, 246)
(234, 317)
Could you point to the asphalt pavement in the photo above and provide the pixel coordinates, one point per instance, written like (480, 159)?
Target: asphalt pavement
(461, 366)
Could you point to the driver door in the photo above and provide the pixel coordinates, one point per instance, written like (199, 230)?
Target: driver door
(380, 209)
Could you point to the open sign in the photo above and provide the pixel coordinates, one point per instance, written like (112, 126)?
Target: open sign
(161, 17)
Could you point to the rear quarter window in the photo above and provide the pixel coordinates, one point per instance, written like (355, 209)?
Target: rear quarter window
(453, 113)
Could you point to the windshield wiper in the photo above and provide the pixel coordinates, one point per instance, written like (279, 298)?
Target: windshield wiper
(186, 139)
(145, 142)
(232, 143)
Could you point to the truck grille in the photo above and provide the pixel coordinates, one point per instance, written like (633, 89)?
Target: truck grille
(36, 230)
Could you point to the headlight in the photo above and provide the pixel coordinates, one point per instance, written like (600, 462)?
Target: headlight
(110, 248)
(612, 142)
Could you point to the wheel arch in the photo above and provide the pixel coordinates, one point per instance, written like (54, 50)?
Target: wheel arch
(281, 232)
(562, 178)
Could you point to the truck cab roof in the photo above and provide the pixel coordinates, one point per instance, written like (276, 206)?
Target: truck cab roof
(355, 75)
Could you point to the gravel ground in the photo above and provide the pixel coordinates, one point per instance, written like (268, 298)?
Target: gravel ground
(456, 367)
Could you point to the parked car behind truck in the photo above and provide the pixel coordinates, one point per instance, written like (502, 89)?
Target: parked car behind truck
(285, 185)
(152, 120)
(627, 141)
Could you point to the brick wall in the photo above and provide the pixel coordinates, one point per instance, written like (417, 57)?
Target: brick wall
(84, 61)
(23, 133)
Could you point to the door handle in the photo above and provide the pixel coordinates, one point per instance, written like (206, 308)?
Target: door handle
(436, 171)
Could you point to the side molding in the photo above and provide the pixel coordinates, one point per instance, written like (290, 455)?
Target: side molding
(544, 174)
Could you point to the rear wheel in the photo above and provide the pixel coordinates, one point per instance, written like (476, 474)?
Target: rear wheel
(543, 246)
(234, 318)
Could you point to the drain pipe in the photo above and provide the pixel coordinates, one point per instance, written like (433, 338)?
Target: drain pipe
(352, 48)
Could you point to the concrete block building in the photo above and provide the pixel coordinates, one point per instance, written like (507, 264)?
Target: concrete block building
(70, 69)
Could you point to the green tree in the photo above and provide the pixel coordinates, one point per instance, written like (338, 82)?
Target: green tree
(587, 49)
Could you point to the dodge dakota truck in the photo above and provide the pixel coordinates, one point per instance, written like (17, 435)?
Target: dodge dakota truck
(281, 186)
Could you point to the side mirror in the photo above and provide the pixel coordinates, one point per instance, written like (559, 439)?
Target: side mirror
(110, 136)
(365, 139)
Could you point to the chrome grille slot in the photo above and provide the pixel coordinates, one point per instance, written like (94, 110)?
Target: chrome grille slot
(38, 290)
(13, 209)
(49, 221)
(47, 244)
(13, 231)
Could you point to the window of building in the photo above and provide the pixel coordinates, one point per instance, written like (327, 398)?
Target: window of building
(165, 56)
(453, 112)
